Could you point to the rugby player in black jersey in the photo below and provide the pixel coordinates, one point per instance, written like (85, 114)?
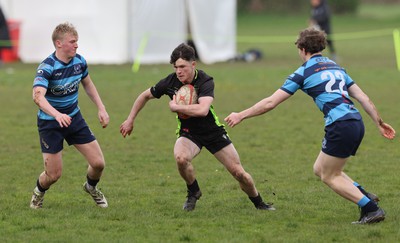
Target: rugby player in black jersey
(202, 128)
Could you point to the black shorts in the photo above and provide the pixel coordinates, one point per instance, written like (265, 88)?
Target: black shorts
(52, 135)
(342, 138)
(213, 142)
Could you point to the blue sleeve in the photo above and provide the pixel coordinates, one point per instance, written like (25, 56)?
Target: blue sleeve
(43, 75)
(293, 82)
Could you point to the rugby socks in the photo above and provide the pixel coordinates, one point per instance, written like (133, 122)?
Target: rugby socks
(91, 182)
(194, 187)
(39, 188)
(256, 200)
(362, 190)
(367, 205)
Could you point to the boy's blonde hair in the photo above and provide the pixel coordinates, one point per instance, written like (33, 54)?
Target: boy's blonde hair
(61, 30)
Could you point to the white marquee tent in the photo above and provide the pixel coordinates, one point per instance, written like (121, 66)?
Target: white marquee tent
(121, 31)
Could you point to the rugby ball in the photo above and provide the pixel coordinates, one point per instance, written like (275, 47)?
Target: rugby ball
(186, 95)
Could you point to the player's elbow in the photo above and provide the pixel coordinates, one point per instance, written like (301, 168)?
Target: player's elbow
(270, 105)
(203, 113)
(145, 95)
(364, 99)
(37, 97)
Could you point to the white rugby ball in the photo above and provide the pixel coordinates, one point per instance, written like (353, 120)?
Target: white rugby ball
(186, 95)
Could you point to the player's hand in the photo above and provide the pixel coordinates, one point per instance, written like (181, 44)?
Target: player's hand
(126, 128)
(103, 118)
(387, 131)
(233, 119)
(172, 104)
(64, 120)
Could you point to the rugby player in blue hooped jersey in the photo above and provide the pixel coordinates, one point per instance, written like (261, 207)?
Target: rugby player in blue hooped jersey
(55, 91)
(201, 129)
(331, 88)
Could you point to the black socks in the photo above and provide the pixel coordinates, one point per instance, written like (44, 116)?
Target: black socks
(371, 206)
(194, 187)
(39, 187)
(256, 200)
(91, 182)
(362, 190)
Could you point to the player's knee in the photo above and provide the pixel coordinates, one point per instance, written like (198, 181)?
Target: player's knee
(327, 178)
(325, 175)
(53, 177)
(242, 176)
(317, 170)
(182, 160)
(98, 164)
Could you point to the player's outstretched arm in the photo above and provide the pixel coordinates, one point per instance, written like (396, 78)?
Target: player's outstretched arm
(385, 129)
(259, 108)
(127, 126)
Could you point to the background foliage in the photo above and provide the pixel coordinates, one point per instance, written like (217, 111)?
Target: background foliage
(295, 6)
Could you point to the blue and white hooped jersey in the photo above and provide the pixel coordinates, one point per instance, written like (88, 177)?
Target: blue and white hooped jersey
(62, 83)
(327, 83)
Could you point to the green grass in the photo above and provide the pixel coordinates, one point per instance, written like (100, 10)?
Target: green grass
(143, 187)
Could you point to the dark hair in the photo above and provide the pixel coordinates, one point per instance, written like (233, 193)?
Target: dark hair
(311, 40)
(183, 51)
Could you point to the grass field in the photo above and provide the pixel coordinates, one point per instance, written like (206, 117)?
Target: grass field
(142, 185)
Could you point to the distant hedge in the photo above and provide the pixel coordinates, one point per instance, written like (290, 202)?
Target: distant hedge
(344, 6)
(294, 6)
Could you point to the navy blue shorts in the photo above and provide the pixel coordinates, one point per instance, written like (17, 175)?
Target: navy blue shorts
(213, 142)
(52, 135)
(342, 138)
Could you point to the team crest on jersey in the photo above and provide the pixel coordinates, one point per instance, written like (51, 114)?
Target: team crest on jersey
(77, 69)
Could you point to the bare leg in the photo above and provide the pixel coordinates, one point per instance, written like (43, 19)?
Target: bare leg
(52, 172)
(184, 152)
(52, 169)
(229, 157)
(330, 170)
(94, 156)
